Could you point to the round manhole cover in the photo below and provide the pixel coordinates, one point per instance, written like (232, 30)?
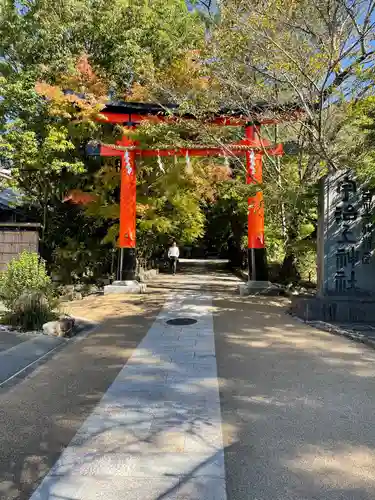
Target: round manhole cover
(182, 321)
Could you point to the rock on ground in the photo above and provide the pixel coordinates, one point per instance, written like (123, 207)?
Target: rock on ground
(60, 328)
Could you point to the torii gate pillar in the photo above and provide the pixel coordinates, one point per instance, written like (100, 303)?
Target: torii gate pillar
(127, 262)
(258, 271)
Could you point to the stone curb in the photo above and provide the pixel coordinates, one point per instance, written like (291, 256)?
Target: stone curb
(335, 330)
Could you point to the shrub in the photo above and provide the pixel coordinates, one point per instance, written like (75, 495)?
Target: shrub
(30, 311)
(26, 273)
(26, 290)
(307, 266)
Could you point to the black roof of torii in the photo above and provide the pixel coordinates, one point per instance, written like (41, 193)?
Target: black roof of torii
(153, 109)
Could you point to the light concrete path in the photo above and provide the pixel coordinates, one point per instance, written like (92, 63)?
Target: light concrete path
(156, 434)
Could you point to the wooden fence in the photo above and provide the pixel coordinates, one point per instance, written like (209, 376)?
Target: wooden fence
(15, 238)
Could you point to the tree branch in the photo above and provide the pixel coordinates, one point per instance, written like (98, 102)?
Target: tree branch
(343, 75)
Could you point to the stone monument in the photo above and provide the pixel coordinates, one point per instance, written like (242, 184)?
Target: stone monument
(345, 253)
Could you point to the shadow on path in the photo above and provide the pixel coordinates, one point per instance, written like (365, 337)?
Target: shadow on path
(297, 406)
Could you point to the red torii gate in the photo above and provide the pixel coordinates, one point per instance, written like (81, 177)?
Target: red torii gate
(252, 146)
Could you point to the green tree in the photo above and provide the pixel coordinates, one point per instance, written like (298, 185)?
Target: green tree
(319, 57)
(126, 40)
(357, 139)
(97, 49)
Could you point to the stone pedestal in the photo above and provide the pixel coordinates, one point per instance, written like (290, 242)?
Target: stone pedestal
(147, 275)
(334, 309)
(254, 287)
(126, 287)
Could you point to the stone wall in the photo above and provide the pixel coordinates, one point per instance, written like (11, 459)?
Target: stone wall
(14, 241)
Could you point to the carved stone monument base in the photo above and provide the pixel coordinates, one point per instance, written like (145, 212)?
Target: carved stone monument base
(334, 309)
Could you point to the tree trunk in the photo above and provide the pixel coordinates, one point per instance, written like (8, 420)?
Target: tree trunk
(235, 253)
(289, 271)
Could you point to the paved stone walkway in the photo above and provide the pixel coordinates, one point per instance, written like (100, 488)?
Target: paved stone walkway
(132, 411)
(156, 434)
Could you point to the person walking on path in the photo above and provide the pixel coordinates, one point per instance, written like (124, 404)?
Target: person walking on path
(173, 255)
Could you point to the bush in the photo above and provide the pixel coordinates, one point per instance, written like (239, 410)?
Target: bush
(30, 311)
(307, 266)
(26, 290)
